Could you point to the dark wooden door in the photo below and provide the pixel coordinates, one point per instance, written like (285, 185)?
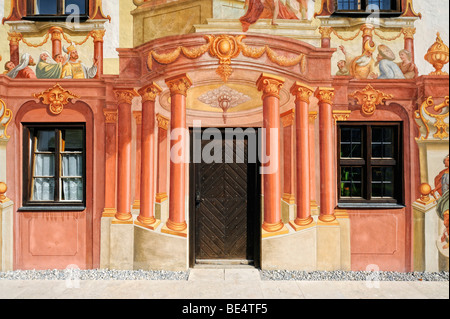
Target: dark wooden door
(226, 203)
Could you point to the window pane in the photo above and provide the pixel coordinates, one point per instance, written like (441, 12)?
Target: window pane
(45, 141)
(349, 4)
(381, 4)
(44, 189)
(351, 181)
(382, 182)
(44, 165)
(72, 165)
(72, 140)
(382, 142)
(351, 142)
(72, 189)
(46, 7)
(75, 7)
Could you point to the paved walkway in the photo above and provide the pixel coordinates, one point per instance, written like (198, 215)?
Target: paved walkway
(222, 284)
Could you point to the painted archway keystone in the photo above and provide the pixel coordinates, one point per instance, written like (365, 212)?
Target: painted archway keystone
(56, 98)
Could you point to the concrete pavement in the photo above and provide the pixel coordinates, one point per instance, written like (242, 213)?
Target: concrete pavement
(221, 284)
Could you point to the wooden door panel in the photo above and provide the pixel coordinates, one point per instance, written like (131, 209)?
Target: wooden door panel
(221, 218)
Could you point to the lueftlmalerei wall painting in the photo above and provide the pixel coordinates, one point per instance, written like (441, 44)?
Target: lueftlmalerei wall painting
(282, 134)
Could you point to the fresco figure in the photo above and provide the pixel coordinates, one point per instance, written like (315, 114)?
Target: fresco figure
(9, 66)
(385, 61)
(343, 70)
(441, 183)
(362, 66)
(74, 69)
(265, 9)
(48, 68)
(23, 70)
(407, 66)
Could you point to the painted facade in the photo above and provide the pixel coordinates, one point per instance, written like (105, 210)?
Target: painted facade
(105, 107)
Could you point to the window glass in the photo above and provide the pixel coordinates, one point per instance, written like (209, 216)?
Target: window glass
(351, 178)
(75, 6)
(57, 165)
(349, 5)
(351, 142)
(44, 7)
(382, 182)
(381, 4)
(382, 142)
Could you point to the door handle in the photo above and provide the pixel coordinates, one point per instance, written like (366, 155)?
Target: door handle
(198, 199)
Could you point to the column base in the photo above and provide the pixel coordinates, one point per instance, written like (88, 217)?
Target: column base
(124, 216)
(328, 218)
(300, 224)
(151, 223)
(272, 227)
(282, 231)
(166, 230)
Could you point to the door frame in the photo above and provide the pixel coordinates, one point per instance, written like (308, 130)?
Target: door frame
(256, 212)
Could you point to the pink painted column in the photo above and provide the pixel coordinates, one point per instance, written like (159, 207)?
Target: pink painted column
(302, 95)
(178, 86)
(288, 120)
(327, 182)
(110, 162)
(147, 189)
(124, 98)
(408, 34)
(271, 85)
(137, 179)
(325, 33)
(161, 178)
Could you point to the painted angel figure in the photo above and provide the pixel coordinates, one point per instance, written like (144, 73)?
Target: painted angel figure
(74, 69)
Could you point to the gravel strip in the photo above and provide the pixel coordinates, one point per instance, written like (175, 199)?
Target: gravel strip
(353, 275)
(94, 274)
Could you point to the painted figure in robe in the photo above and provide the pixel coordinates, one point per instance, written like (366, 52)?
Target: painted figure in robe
(74, 69)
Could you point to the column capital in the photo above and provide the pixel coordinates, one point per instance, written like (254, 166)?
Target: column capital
(367, 30)
(324, 95)
(408, 33)
(110, 116)
(56, 33)
(326, 32)
(98, 35)
(149, 92)
(125, 96)
(14, 37)
(302, 92)
(179, 84)
(270, 85)
(163, 122)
